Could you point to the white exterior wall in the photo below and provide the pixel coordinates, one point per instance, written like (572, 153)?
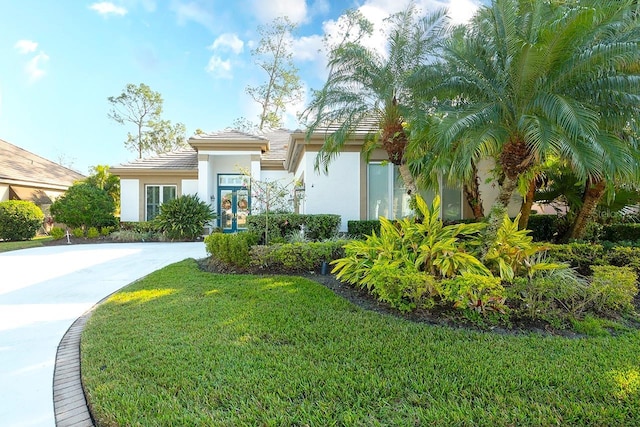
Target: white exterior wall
(335, 193)
(129, 200)
(4, 192)
(489, 191)
(190, 186)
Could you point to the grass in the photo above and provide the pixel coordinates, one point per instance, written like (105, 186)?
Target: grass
(24, 244)
(185, 347)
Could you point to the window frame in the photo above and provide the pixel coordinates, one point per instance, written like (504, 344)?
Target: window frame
(161, 201)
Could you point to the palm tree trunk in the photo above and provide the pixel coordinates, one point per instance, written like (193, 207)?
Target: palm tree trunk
(472, 194)
(525, 210)
(507, 188)
(593, 193)
(407, 178)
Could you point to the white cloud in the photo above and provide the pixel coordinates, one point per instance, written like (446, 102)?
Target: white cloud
(461, 11)
(226, 42)
(267, 11)
(219, 68)
(26, 46)
(106, 8)
(35, 67)
(193, 11)
(308, 48)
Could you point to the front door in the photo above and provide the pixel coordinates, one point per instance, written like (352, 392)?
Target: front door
(234, 208)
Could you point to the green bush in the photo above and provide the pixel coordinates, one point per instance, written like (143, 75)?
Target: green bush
(404, 289)
(544, 228)
(621, 232)
(580, 256)
(363, 228)
(184, 217)
(553, 295)
(281, 226)
(93, 233)
(19, 220)
(296, 257)
(613, 288)
(57, 233)
(84, 205)
(139, 227)
(77, 232)
(105, 231)
(475, 292)
(232, 249)
(622, 256)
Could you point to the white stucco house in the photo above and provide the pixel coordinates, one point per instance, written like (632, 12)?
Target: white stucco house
(214, 166)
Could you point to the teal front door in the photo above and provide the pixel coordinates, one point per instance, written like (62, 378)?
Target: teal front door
(234, 204)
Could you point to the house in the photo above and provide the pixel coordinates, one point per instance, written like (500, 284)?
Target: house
(27, 176)
(216, 166)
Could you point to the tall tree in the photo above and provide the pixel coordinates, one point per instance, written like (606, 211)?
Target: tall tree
(274, 55)
(534, 79)
(142, 107)
(367, 89)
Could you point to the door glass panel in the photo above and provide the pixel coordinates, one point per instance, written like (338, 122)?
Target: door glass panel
(401, 199)
(226, 209)
(242, 206)
(378, 191)
(451, 202)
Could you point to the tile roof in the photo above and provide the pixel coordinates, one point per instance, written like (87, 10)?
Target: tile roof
(229, 134)
(184, 158)
(17, 164)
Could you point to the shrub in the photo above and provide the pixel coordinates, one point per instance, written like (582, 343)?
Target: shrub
(57, 233)
(624, 257)
(105, 231)
(232, 249)
(544, 228)
(621, 232)
(139, 227)
(404, 289)
(93, 233)
(281, 226)
(322, 227)
(77, 232)
(580, 256)
(84, 205)
(479, 293)
(613, 288)
(19, 220)
(184, 217)
(363, 228)
(295, 257)
(551, 295)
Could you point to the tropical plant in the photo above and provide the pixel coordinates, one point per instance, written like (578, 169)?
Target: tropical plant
(103, 179)
(367, 90)
(529, 80)
(184, 217)
(84, 205)
(19, 220)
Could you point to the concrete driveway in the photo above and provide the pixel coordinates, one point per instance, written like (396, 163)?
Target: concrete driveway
(42, 291)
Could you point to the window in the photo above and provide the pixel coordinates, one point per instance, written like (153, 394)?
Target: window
(387, 195)
(157, 195)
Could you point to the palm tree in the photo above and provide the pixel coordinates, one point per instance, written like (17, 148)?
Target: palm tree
(368, 90)
(529, 80)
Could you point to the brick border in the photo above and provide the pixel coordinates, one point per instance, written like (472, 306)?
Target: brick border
(69, 402)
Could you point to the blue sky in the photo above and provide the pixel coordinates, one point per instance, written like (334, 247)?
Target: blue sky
(60, 60)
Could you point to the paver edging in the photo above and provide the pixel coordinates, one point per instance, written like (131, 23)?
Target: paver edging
(69, 401)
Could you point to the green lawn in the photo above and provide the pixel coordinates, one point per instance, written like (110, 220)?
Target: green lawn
(14, 246)
(185, 347)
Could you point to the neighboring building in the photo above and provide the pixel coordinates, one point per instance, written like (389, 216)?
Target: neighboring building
(215, 167)
(27, 176)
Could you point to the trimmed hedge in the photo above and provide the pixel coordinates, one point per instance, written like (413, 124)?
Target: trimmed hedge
(232, 249)
(363, 228)
(296, 257)
(19, 220)
(281, 226)
(621, 232)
